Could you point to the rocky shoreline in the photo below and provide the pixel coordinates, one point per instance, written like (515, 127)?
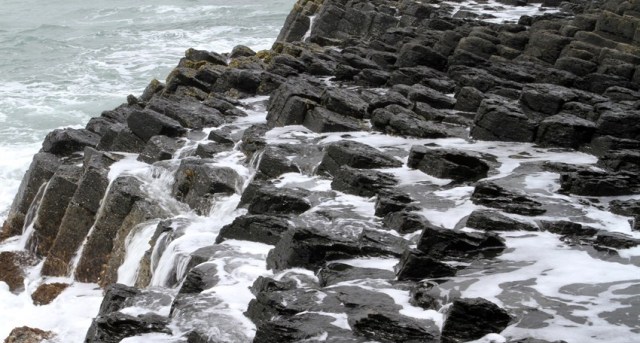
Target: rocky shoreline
(384, 159)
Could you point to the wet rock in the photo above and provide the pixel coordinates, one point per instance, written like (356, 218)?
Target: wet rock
(187, 112)
(468, 99)
(310, 248)
(241, 51)
(138, 219)
(210, 150)
(202, 55)
(389, 98)
(268, 199)
(290, 103)
(198, 182)
(622, 124)
(78, 218)
(361, 182)
(379, 243)
(621, 160)
(396, 120)
(334, 272)
(47, 292)
(118, 202)
(448, 163)
(344, 102)
(320, 119)
(498, 120)
(406, 222)
(568, 229)
(389, 201)
(546, 98)
(120, 138)
(629, 208)
(428, 295)
(416, 265)
(616, 240)
(420, 93)
(64, 142)
(390, 327)
(444, 243)
(12, 264)
(599, 183)
(116, 326)
(159, 148)
(489, 220)
(546, 45)
(491, 195)
(255, 228)
(146, 124)
(25, 334)
(273, 162)
(602, 145)
(567, 131)
(200, 278)
(243, 80)
(307, 326)
(412, 54)
(355, 155)
(281, 303)
(57, 196)
(42, 168)
(469, 319)
(253, 139)
(116, 297)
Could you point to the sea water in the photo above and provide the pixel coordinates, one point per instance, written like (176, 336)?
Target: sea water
(65, 61)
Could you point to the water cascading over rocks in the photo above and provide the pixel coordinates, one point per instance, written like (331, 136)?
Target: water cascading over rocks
(390, 171)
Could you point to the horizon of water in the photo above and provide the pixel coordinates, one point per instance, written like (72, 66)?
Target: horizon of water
(64, 62)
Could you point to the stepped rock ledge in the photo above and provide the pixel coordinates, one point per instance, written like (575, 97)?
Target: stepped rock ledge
(390, 171)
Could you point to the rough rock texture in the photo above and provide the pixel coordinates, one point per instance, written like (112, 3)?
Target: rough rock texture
(47, 292)
(362, 100)
(27, 334)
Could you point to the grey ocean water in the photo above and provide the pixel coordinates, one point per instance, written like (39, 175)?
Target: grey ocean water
(64, 61)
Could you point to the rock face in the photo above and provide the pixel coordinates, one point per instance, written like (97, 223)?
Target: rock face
(470, 319)
(47, 292)
(448, 164)
(329, 191)
(26, 334)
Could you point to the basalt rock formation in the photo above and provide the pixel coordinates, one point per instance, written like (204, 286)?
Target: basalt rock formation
(383, 117)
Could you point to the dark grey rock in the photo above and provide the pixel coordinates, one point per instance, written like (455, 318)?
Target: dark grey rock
(470, 319)
(159, 148)
(415, 265)
(568, 228)
(334, 272)
(361, 182)
(489, 220)
(256, 228)
(498, 120)
(146, 124)
(268, 199)
(491, 195)
(389, 201)
(320, 120)
(200, 278)
(448, 163)
(567, 131)
(599, 183)
(64, 142)
(198, 182)
(391, 327)
(355, 155)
